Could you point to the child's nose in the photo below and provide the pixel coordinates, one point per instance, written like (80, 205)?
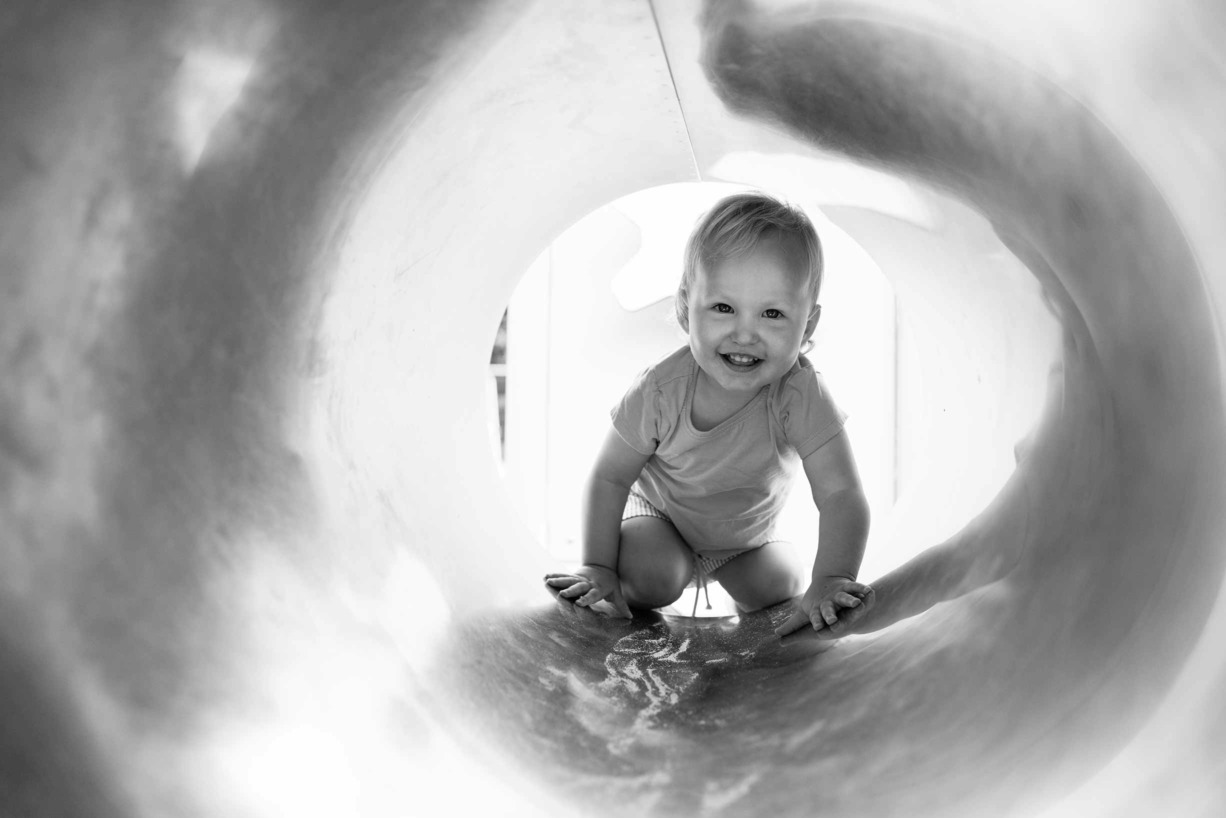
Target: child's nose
(746, 329)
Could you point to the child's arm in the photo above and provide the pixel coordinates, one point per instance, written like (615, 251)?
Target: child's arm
(842, 532)
(617, 467)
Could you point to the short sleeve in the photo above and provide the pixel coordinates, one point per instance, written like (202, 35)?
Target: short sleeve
(808, 413)
(637, 416)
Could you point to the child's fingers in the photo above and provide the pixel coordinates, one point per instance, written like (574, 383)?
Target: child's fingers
(576, 589)
(864, 600)
(869, 597)
(793, 623)
(561, 580)
(619, 604)
(827, 612)
(846, 600)
(859, 588)
(591, 597)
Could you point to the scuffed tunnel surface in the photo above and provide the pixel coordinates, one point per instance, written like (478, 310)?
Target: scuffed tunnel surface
(254, 565)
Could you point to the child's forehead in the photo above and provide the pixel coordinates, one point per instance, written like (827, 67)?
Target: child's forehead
(788, 249)
(765, 256)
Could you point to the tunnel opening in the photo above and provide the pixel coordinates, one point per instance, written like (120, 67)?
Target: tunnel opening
(942, 359)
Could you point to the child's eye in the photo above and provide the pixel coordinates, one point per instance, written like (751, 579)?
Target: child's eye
(724, 308)
(773, 313)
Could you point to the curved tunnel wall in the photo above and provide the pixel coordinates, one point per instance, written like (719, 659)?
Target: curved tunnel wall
(244, 438)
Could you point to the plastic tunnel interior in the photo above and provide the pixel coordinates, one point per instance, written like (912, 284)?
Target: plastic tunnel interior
(258, 559)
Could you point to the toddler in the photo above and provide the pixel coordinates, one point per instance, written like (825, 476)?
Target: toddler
(703, 447)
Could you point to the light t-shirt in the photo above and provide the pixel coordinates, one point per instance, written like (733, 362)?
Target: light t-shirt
(723, 488)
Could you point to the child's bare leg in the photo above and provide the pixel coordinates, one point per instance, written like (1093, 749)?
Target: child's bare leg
(762, 577)
(654, 562)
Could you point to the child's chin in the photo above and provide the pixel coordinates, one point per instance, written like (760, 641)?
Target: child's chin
(748, 382)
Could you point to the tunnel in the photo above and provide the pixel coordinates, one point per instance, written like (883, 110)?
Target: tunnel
(259, 560)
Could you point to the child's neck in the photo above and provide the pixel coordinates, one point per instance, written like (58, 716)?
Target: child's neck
(713, 404)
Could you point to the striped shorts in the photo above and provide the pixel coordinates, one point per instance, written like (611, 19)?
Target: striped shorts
(638, 506)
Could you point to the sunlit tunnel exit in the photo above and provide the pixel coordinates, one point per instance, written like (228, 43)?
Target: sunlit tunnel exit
(942, 386)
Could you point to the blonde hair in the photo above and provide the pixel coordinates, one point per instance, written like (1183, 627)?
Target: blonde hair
(733, 227)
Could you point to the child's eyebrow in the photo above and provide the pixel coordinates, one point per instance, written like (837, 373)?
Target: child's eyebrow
(773, 302)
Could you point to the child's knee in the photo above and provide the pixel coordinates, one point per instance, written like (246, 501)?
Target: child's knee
(780, 589)
(654, 563)
(789, 584)
(653, 589)
(758, 584)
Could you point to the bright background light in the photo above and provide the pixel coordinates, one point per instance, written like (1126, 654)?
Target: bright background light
(933, 338)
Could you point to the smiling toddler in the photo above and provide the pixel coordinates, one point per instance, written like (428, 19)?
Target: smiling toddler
(703, 448)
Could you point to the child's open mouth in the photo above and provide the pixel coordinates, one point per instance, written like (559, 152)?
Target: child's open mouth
(740, 362)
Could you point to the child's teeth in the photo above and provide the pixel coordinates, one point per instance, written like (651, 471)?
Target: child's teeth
(742, 359)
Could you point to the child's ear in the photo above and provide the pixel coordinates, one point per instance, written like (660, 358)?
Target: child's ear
(814, 316)
(681, 309)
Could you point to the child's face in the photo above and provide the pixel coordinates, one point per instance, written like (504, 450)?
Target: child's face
(749, 315)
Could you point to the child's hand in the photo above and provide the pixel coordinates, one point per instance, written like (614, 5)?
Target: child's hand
(832, 604)
(591, 583)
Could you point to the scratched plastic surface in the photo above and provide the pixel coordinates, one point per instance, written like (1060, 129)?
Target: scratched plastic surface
(258, 560)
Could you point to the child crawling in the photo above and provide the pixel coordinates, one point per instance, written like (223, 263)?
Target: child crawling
(703, 447)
